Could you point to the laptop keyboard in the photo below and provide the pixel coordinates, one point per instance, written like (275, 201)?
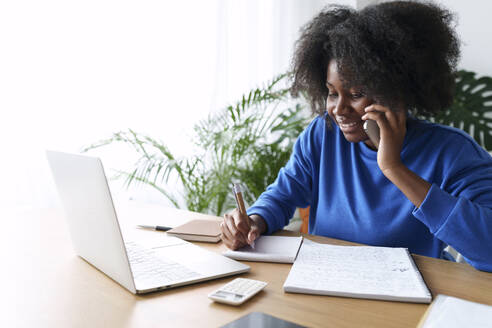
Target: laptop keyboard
(153, 271)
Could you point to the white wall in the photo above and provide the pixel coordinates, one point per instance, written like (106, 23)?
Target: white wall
(473, 27)
(74, 72)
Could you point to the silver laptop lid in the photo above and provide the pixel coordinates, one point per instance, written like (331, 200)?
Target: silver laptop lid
(85, 195)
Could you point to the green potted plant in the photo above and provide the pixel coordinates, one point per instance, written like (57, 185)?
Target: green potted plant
(247, 142)
(250, 141)
(471, 110)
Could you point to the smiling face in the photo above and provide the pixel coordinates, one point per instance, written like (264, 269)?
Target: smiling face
(346, 107)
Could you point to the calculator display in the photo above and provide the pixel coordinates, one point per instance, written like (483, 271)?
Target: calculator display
(228, 295)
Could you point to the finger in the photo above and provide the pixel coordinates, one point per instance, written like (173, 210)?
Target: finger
(235, 233)
(225, 227)
(385, 128)
(378, 117)
(229, 244)
(395, 117)
(377, 108)
(227, 237)
(226, 234)
(242, 222)
(224, 238)
(253, 234)
(226, 242)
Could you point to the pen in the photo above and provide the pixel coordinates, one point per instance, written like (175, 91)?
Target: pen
(160, 228)
(238, 195)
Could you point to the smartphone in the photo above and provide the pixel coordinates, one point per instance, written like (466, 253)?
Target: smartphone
(372, 130)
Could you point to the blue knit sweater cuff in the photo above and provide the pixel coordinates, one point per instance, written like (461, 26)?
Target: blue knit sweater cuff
(435, 209)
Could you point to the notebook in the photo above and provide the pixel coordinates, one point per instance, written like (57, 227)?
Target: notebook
(198, 230)
(382, 273)
(97, 238)
(279, 249)
(451, 312)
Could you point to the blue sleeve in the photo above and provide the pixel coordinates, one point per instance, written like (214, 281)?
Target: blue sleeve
(293, 185)
(459, 211)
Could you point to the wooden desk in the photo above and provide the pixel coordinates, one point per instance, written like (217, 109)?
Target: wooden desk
(46, 285)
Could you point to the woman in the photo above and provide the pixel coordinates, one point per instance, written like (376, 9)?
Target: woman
(425, 186)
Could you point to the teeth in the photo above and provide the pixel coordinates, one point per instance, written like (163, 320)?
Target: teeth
(347, 125)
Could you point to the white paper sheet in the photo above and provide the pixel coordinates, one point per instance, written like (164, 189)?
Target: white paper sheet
(452, 312)
(278, 249)
(357, 271)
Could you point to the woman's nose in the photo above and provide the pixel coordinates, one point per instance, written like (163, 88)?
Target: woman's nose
(340, 107)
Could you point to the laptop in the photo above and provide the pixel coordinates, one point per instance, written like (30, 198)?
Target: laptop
(97, 238)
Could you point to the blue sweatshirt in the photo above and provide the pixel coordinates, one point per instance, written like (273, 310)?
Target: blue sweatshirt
(351, 199)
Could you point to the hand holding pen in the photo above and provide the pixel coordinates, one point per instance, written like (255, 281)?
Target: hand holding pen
(238, 195)
(238, 229)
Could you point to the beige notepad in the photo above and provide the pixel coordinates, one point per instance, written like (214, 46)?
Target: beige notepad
(198, 230)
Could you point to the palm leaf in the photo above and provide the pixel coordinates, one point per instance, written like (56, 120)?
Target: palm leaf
(471, 110)
(247, 141)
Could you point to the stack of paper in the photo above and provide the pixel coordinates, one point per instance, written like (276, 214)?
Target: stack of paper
(357, 271)
(278, 249)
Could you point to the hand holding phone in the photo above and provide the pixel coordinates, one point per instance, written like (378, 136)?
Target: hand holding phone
(372, 130)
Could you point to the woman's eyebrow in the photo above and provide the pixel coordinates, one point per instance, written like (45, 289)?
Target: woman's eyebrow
(328, 84)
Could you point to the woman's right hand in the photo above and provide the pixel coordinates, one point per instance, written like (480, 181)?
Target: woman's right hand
(239, 230)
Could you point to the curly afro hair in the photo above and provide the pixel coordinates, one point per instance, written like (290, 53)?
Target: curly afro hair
(400, 52)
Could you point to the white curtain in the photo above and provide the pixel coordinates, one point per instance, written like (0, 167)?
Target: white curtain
(74, 72)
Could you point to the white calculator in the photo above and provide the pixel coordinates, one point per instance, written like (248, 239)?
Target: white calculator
(237, 291)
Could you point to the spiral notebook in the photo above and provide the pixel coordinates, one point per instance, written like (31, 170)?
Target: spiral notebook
(382, 273)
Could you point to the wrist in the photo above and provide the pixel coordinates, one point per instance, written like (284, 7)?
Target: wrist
(260, 223)
(413, 186)
(393, 170)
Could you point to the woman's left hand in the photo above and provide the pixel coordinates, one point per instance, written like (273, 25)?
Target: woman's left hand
(392, 127)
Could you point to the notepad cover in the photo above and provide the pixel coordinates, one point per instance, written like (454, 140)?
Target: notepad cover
(198, 230)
